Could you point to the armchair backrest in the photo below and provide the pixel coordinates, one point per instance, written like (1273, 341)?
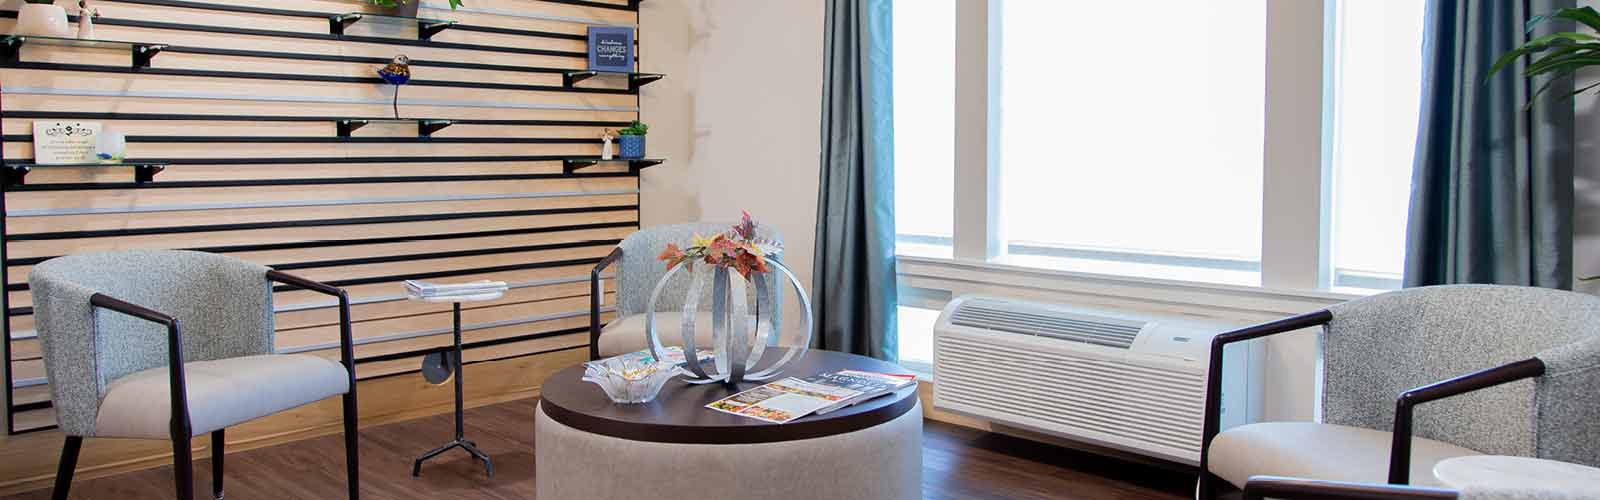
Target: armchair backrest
(223, 306)
(638, 271)
(1378, 347)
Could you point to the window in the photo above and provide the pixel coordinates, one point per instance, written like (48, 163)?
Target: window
(1377, 90)
(1120, 156)
(1138, 149)
(924, 118)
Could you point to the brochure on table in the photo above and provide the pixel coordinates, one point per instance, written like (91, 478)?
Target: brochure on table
(791, 398)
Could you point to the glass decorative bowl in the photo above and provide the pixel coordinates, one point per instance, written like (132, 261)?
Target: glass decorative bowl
(628, 379)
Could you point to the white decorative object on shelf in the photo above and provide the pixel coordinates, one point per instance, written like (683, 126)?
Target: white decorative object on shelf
(110, 147)
(605, 150)
(86, 17)
(630, 379)
(42, 19)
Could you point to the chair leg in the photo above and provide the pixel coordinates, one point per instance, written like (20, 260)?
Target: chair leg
(217, 440)
(64, 470)
(1206, 487)
(183, 467)
(351, 463)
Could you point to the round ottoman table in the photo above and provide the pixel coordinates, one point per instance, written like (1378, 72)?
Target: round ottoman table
(1492, 477)
(587, 447)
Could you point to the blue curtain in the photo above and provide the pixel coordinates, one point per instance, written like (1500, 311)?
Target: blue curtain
(1491, 194)
(854, 276)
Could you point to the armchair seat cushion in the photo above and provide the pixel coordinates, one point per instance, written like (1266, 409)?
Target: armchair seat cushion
(1320, 451)
(221, 393)
(626, 334)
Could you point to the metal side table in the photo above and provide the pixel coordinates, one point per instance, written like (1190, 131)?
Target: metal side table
(452, 360)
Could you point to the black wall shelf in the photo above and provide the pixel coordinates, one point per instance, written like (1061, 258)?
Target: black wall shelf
(143, 172)
(635, 80)
(426, 28)
(79, 115)
(142, 53)
(206, 73)
(295, 139)
(425, 126)
(230, 30)
(571, 165)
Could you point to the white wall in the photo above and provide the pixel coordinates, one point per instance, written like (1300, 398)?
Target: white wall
(738, 116)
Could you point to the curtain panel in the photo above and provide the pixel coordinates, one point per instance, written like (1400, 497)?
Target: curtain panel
(854, 273)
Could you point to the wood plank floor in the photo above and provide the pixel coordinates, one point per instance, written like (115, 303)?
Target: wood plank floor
(958, 463)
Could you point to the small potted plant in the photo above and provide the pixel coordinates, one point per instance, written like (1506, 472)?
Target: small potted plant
(42, 18)
(406, 8)
(631, 139)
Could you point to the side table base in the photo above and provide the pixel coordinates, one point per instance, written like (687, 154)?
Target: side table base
(469, 446)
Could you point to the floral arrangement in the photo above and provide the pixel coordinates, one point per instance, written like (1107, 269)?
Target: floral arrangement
(738, 248)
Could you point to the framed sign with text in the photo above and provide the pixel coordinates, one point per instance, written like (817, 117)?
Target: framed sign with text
(611, 49)
(60, 143)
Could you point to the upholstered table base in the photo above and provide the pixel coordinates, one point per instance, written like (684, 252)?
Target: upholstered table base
(882, 462)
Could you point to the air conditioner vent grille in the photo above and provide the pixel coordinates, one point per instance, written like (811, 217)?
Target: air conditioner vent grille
(1012, 317)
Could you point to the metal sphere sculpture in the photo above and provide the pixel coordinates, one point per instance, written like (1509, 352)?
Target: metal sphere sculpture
(739, 351)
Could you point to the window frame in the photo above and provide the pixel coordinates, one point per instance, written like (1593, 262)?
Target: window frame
(1297, 158)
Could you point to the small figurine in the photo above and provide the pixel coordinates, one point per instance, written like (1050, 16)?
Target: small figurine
(605, 151)
(86, 20)
(397, 73)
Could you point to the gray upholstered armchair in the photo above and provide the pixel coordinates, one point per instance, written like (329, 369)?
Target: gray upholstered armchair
(1450, 370)
(111, 325)
(637, 273)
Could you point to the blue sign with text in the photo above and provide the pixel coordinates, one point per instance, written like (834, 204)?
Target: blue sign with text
(611, 48)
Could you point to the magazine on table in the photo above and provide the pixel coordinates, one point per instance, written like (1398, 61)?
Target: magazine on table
(791, 398)
(426, 289)
(871, 385)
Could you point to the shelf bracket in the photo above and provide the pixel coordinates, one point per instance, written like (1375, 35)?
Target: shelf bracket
(338, 22)
(426, 30)
(12, 51)
(634, 166)
(146, 173)
(426, 128)
(143, 53)
(345, 127)
(571, 78)
(637, 80)
(571, 165)
(15, 174)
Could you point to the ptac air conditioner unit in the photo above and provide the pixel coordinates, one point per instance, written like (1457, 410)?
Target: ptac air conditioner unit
(1131, 382)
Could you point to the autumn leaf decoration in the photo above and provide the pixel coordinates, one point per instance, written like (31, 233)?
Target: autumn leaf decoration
(738, 248)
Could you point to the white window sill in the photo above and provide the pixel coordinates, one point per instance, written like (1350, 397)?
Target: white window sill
(964, 276)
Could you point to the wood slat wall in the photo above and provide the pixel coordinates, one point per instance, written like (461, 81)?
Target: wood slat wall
(244, 105)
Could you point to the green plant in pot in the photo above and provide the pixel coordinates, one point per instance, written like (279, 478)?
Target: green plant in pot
(42, 18)
(631, 139)
(1559, 55)
(406, 8)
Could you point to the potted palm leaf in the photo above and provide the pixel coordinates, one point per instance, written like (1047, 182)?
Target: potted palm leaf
(1558, 55)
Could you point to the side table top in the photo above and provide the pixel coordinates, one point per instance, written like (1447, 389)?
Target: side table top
(678, 414)
(1493, 476)
(450, 299)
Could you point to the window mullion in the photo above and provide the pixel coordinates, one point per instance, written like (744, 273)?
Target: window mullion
(1293, 226)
